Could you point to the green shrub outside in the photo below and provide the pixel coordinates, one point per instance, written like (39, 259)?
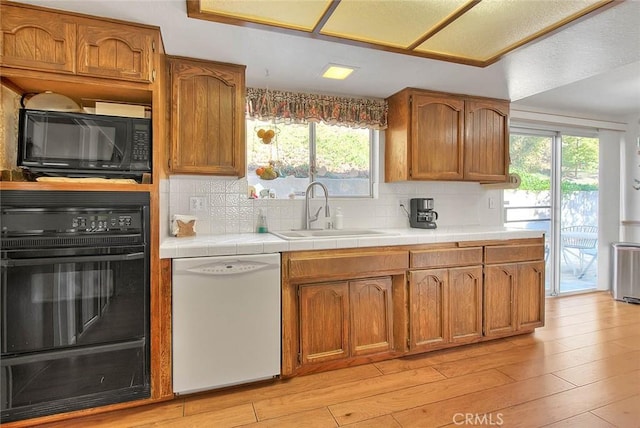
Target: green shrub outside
(536, 183)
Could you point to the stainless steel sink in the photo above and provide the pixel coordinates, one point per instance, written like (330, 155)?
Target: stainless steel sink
(328, 233)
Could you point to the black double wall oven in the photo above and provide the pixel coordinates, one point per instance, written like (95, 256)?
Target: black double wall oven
(74, 301)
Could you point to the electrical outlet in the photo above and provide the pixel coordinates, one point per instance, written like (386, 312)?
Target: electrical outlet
(196, 203)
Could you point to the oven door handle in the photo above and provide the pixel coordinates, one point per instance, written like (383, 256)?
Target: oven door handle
(76, 259)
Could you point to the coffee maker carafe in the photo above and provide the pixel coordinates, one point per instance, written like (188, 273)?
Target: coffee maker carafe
(422, 215)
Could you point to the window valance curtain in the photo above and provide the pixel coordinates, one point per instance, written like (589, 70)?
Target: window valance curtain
(295, 107)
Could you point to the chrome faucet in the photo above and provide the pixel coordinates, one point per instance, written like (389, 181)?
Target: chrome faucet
(308, 219)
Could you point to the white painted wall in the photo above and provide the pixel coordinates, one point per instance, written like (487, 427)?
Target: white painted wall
(630, 153)
(608, 203)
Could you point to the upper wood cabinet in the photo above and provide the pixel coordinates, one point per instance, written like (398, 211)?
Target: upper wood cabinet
(486, 143)
(438, 136)
(207, 117)
(116, 51)
(36, 39)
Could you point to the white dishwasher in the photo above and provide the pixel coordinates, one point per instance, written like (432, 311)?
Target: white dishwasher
(226, 321)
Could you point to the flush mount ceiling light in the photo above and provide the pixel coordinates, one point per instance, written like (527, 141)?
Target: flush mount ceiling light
(338, 72)
(473, 32)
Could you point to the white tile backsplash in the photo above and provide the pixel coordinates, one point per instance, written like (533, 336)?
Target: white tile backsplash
(228, 210)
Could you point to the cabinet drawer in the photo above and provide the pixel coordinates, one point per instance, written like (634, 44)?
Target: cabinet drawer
(513, 253)
(446, 257)
(345, 265)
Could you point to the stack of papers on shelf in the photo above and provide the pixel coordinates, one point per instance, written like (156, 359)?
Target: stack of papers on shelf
(117, 109)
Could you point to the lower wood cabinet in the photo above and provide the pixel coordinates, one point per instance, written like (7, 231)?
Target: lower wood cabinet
(445, 306)
(324, 322)
(514, 298)
(499, 294)
(371, 319)
(428, 308)
(353, 306)
(465, 304)
(345, 319)
(342, 307)
(530, 295)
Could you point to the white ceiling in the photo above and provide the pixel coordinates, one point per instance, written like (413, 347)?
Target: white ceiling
(589, 69)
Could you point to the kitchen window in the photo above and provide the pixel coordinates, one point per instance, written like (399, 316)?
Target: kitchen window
(282, 159)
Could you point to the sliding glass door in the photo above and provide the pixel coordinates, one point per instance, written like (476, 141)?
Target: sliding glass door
(530, 206)
(558, 195)
(578, 213)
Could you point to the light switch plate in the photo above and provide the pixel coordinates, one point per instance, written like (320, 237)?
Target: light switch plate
(492, 202)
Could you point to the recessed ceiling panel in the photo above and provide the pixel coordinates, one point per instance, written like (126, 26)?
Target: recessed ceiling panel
(494, 27)
(388, 22)
(300, 15)
(474, 32)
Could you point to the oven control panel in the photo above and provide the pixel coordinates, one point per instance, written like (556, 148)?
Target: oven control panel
(51, 222)
(105, 222)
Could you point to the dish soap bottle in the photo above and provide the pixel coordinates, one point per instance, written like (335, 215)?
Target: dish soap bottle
(261, 225)
(338, 221)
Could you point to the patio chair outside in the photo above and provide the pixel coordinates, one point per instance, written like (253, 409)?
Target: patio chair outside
(581, 242)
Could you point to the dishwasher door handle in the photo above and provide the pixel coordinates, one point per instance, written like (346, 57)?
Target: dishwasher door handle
(232, 267)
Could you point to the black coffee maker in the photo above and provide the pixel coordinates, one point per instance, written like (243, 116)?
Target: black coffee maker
(422, 215)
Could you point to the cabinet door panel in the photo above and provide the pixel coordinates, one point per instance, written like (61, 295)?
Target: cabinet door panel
(530, 295)
(207, 121)
(203, 120)
(115, 51)
(371, 316)
(437, 137)
(38, 40)
(324, 322)
(428, 308)
(499, 295)
(465, 304)
(486, 149)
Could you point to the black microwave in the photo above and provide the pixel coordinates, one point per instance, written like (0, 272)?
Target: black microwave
(84, 145)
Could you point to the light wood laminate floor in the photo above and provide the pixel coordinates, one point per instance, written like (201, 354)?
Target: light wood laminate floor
(581, 370)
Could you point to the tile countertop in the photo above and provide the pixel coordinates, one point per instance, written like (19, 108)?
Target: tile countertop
(259, 243)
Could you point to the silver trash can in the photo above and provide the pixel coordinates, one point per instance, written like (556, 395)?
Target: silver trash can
(626, 271)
